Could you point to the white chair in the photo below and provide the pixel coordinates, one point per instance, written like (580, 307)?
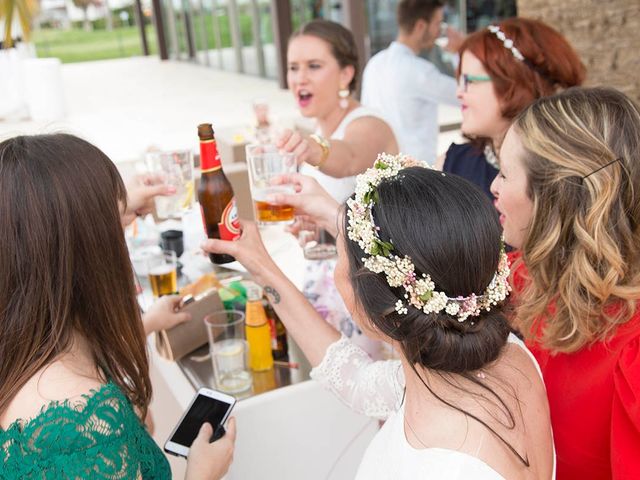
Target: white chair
(298, 432)
(44, 89)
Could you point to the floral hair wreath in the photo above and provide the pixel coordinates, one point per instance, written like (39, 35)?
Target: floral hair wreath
(420, 291)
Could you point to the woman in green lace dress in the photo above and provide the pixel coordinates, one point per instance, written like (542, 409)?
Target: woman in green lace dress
(74, 374)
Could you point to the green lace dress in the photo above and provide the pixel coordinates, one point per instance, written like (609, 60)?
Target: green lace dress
(101, 437)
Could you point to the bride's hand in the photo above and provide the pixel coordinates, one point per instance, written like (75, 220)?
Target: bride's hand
(248, 249)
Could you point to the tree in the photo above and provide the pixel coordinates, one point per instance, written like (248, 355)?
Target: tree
(108, 17)
(84, 5)
(25, 10)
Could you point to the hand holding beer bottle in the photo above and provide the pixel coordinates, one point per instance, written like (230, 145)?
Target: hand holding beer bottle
(215, 194)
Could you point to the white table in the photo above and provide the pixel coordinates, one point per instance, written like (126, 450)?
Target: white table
(298, 431)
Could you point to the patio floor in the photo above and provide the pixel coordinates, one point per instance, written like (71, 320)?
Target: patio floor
(126, 105)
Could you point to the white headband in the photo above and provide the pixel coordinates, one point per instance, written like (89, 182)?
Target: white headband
(507, 42)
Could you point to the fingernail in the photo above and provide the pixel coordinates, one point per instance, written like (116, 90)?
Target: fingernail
(171, 189)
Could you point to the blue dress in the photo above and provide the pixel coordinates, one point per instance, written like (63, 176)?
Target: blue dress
(469, 161)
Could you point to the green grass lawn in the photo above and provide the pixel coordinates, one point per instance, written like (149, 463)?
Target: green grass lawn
(76, 45)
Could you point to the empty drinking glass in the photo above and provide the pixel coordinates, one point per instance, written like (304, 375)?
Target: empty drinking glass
(229, 350)
(175, 168)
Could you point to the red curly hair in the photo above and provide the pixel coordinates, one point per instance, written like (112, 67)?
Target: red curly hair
(551, 64)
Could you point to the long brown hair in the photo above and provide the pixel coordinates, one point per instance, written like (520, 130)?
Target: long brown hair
(64, 263)
(582, 251)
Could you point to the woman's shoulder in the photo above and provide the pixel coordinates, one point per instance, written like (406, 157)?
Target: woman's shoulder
(55, 383)
(625, 415)
(629, 331)
(364, 117)
(467, 160)
(464, 150)
(96, 400)
(73, 437)
(366, 124)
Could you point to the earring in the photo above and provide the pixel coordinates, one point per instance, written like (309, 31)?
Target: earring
(343, 93)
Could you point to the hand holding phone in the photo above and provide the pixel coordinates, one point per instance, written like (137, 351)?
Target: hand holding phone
(210, 461)
(208, 406)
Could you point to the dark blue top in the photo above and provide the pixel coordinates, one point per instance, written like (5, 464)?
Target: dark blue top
(469, 162)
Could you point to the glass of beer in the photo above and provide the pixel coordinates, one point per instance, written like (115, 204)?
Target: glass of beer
(265, 163)
(162, 269)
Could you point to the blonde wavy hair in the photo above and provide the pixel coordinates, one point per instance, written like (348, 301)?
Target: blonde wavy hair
(582, 157)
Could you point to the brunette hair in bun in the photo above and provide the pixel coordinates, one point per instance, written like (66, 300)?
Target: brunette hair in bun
(451, 232)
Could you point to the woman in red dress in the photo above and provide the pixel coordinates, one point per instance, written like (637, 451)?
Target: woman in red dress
(568, 193)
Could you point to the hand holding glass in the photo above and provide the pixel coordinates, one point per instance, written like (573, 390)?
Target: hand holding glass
(265, 163)
(174, 168)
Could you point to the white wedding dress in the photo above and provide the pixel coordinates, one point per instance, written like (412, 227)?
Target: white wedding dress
(376, 389)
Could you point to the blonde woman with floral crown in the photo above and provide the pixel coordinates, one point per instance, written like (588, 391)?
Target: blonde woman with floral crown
(466, 399)
(568, 194)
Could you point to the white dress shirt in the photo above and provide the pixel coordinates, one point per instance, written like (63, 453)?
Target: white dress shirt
(406, 89)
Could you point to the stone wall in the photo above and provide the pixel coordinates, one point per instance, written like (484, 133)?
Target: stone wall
(606, 34)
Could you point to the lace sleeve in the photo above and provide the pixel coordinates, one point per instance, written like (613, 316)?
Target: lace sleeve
(372, 388)
(98, 437)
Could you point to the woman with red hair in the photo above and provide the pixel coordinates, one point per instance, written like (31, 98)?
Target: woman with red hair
(503, 69)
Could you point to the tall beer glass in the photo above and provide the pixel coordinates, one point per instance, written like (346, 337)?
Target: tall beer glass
(265, 163)
(163, 273)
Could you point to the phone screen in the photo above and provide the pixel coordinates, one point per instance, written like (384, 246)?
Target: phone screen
(203, 409)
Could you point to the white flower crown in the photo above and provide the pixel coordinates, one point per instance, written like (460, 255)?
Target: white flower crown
(400, 271)
(507, 42)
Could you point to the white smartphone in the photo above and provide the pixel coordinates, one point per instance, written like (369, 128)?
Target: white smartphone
(207, 406)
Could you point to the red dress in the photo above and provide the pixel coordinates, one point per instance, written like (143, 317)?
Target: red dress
(594, 399)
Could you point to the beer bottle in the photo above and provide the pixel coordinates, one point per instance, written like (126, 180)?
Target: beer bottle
(215, 194)
(279, 346)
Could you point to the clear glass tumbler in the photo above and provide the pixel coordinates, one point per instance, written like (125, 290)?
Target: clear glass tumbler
(229, 350)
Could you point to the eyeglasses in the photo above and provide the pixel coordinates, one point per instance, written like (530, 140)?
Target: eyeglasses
(464, 80)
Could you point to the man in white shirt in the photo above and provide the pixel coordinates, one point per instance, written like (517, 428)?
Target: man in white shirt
(405, 88)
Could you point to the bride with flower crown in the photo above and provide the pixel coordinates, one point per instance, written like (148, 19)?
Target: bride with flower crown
(422, 266)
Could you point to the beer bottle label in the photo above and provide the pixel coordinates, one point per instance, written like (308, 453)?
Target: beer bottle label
(229, 226)
(209, 156)
(274, 337)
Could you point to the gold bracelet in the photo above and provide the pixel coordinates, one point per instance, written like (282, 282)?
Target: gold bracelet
(324, 145)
